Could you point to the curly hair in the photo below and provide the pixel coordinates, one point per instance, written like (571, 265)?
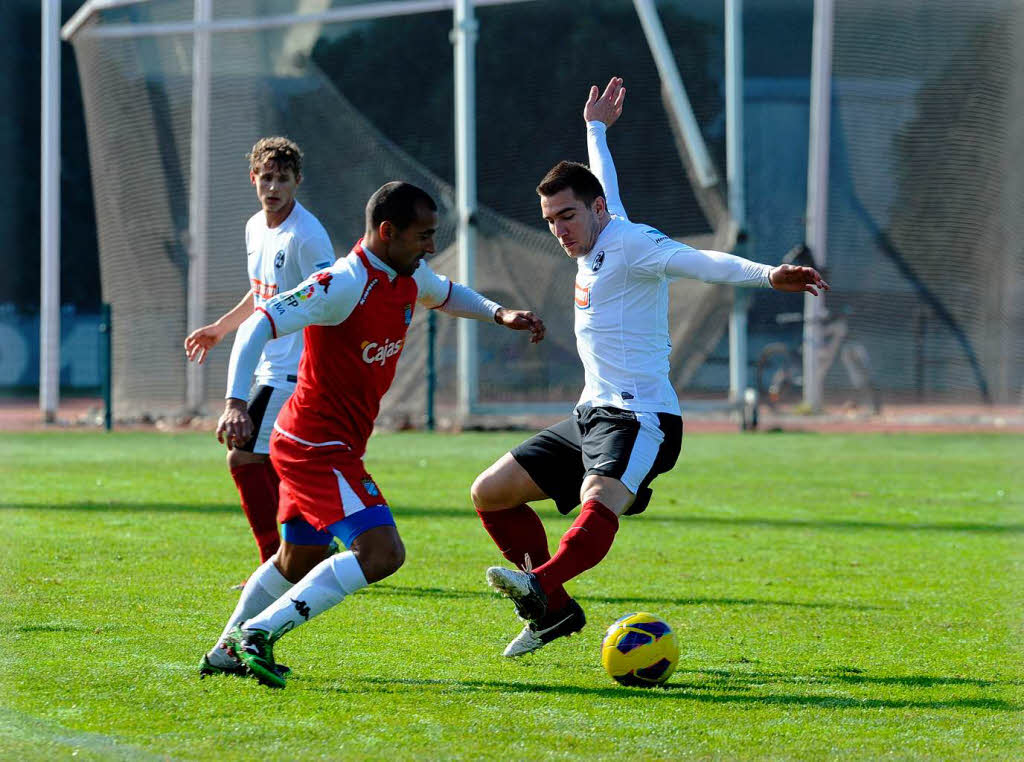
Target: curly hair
(282, 151)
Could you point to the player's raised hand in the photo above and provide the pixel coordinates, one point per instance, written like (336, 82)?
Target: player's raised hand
(201, 341)
(234, 428)
(521, 320)
(794, 278)
(608, 106)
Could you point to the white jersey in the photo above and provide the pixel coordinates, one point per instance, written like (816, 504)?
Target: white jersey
(279, 260)
(621, 300)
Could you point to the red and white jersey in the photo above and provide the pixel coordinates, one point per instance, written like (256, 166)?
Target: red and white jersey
(279, 260)
(356, 314)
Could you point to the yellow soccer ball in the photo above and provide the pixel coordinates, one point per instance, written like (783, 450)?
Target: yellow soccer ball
(640, 650)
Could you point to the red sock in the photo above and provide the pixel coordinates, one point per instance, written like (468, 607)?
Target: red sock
(518, 532)
(258, 490)
(588, 541)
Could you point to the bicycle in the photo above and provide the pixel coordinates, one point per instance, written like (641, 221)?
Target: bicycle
(780, 367)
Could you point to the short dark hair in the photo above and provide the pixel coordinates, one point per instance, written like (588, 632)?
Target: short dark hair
(571, 174)
(396, 202)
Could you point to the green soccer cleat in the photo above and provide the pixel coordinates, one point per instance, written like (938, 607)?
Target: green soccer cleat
(207, 668)
(255, 649)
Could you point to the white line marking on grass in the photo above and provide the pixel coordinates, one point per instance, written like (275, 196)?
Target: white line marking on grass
(25, 727)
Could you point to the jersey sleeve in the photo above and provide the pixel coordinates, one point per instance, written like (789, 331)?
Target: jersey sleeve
(433, 289)
(603, 167)
(655, 255)
(315, 253)
(326, 297)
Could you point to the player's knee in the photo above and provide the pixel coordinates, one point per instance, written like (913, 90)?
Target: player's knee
(238, 458)
(610, 492)
(487, 492)
(294, 566)
(383, 561)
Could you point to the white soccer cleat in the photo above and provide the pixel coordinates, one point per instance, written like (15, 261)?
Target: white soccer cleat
(557, 624)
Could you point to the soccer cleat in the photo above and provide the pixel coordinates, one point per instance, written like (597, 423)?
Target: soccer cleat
(255, 649)
(522, 588)
(207, 668)
(556, 624)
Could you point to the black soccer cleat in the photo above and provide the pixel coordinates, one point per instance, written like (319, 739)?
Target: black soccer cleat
(555, 624)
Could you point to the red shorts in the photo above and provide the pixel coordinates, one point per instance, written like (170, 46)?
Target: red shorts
(322, 485)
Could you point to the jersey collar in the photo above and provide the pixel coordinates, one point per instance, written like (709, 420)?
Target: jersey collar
(378, 263)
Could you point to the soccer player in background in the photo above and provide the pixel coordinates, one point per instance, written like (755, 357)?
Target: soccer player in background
(285, 245)
(355, 315)
(626, 428)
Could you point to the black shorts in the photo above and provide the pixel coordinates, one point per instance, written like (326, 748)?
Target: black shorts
(633, 447)
(265, 402)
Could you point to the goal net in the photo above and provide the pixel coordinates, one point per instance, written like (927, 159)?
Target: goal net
(926, 202)
(371, 100)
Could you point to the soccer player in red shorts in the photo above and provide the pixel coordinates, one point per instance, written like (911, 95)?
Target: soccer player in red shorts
(355, 315)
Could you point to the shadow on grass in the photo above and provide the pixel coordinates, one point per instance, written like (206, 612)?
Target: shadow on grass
(853, 676)
(438, 512)
(688, 692)
(400, 590)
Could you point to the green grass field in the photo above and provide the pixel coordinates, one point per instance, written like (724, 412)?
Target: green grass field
(848, 597)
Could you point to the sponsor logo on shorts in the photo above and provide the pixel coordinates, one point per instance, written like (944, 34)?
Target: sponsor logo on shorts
(598, 261)
(582, 296)
(279, 259)
(370, 487)
(627, 396)
(379, 353)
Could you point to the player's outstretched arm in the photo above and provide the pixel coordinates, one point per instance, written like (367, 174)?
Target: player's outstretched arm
(793, 278)
(601, 112)
(521, 320)
(606, 107)
(202, 340)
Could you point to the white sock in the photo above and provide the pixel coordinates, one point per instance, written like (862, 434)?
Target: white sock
(264, 586)
(325, 586)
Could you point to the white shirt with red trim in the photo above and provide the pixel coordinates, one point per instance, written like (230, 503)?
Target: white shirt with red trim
(279, 259)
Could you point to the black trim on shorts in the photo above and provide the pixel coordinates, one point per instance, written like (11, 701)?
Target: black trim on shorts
(259, 399)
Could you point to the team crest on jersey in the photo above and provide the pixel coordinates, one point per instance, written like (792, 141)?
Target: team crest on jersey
(370, 487)
(408, 313)
(279, 259)
(598, 261)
